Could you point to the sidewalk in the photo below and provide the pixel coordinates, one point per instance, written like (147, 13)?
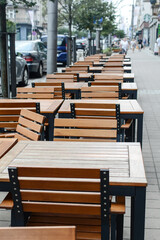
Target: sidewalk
(146, 68)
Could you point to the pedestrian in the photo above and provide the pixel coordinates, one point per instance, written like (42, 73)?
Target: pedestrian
(133, 45)
(144, 43)
(124, 46)
(140, 46)
(158, 42)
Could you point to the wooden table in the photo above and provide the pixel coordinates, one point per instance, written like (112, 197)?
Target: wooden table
(48, 108)
(124, 160)
(6, 145)
(127, 77)
(75, 88)
(99, 69)
(129, 109)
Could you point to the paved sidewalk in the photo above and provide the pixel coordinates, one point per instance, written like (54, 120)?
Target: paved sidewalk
(146, 68)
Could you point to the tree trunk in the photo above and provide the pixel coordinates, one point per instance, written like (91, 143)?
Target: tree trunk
(3, 50)
(70, 32)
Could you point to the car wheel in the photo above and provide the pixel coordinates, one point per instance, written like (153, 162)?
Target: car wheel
(40, 70)
(25, 77)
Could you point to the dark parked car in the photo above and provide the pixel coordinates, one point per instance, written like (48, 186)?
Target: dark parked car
(35, 54)
(22, 72)
(80, 44)
(61, 48)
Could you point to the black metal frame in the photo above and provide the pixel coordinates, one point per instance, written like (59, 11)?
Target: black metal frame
(16, 196)
(105, 204)
(118, 121)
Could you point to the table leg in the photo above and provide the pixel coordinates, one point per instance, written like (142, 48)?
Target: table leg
(138, 213)
(50, 117)
(140, 128)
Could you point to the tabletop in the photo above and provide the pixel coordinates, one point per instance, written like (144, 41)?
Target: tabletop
(128, 106)
(46, 106)
(6, 145)
(124, 160)
(79, 85)
(125, 75)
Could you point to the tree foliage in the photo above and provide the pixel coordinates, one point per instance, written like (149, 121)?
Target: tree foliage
(91, 15)
(119, 33)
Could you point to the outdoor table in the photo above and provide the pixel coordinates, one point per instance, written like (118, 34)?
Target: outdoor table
(48, 108)
(75, 88)
(129, 109)
(124, 161)
(127, 77)
(6, 144)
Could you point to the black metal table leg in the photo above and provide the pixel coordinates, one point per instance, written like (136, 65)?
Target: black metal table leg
(138, 214)
(140, 128)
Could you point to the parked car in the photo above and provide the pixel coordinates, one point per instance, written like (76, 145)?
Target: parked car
(35, 54)
(80, 44)
(22, 72)
(61, 48)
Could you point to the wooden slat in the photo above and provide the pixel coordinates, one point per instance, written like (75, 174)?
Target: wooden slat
(68, 197)
(88, 112)
(17, 104)
(58, 172)
(38, 233)
(29, 124)
(85, 140)
(59, 132)
(35, 96)
(32, 116)
(60, 185)
(99, 88)
(85, 123)
(82, 209)
(99, 94)
(21, 137)
(95, 105)
(27, 133)
(35, 90)
(48, 84)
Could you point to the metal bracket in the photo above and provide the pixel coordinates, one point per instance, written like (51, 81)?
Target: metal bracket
(63, 90)
(120, 92)
(33, 84)
(105, 204)
(72, 110)
(118, 121)
(38, 107)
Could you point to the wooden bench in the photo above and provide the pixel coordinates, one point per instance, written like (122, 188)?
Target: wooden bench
(91, 122)
(113, 64)
(83, 63)
(113, 69)
(101, 92)
(61, 77)
(78, 68)
(59, 89)
(38, 233)
(30, 126)
(65, 196)
(10, 112)
(109, 77)
(35, 93)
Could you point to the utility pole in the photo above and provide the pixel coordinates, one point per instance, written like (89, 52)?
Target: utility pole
(132, 21)
(52, 37)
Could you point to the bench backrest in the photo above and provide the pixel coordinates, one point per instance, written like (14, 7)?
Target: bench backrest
(77, 68)
(59, 89)
(90, 122)
(113, 64)
(108, 76)
(62, 77)
(35, 93)
(113, 69)
(10, 112)
(38, 233)
(30, 125)
(83, 63)
(70, 194)
(101, 92)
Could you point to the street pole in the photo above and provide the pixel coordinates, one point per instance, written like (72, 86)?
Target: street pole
(52, 37)
(132, 21)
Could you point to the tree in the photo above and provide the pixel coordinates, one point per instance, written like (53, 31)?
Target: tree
(3, 38)
(90, 16)
(119, 33)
